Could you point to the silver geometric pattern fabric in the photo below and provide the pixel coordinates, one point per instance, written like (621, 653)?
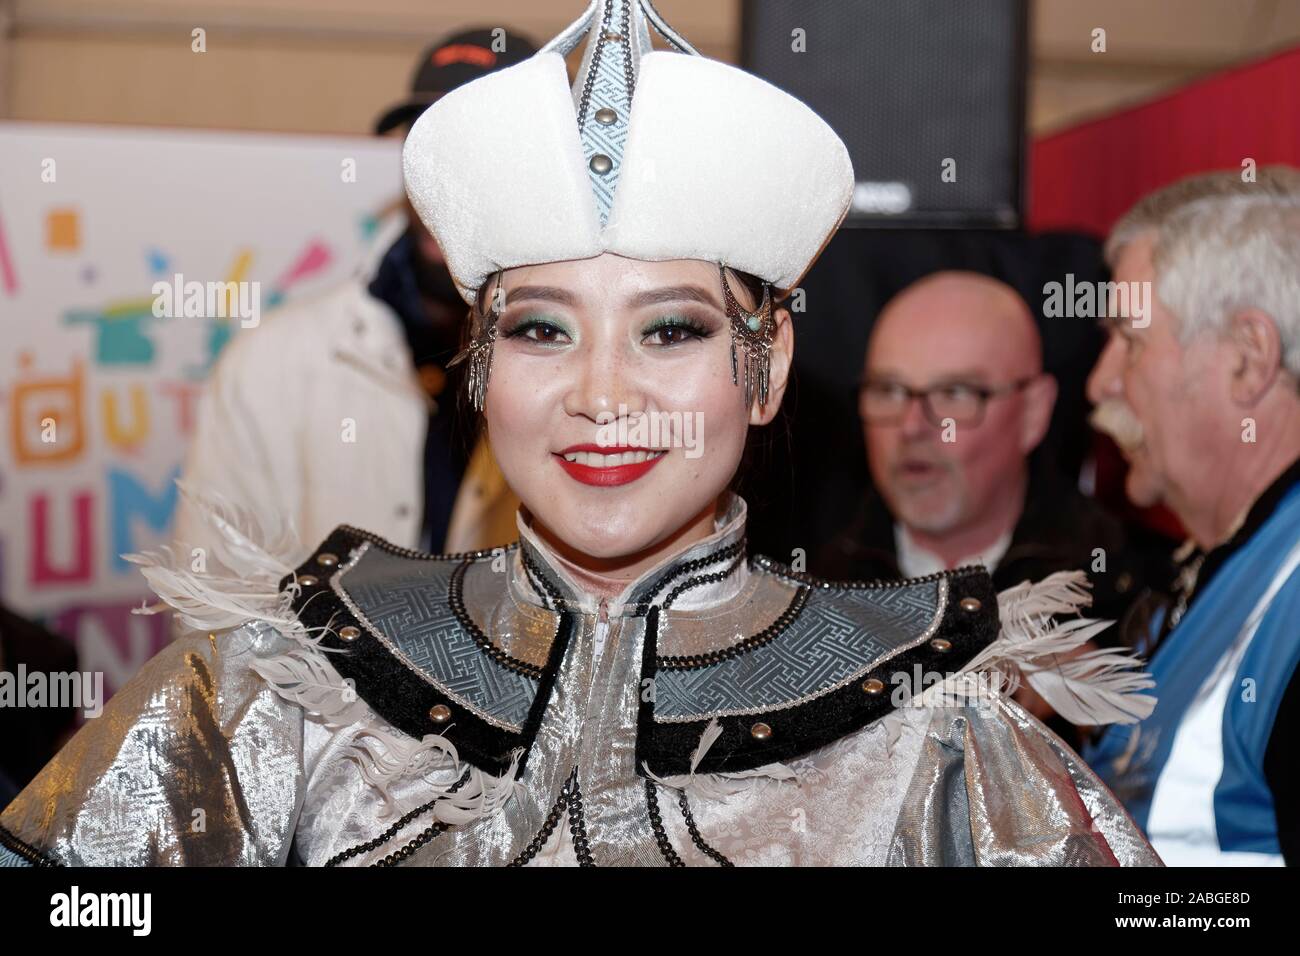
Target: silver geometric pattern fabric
(8, 858)
(406, 602)
(839, 635)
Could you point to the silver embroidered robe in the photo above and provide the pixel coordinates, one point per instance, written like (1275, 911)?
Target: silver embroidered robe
(484, 709)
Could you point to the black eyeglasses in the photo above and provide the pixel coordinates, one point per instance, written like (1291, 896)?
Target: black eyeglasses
(882, 402)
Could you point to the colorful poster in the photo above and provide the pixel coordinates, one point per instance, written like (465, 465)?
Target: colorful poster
(128, 259)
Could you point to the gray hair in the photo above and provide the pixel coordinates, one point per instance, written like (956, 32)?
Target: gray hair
(1222, 246)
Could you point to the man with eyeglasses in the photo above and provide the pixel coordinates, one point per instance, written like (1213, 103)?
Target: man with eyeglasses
(954, 401)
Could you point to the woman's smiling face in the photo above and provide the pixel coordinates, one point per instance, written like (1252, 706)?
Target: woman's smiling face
(610, 405)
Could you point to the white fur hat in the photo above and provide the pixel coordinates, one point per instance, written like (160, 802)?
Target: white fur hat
(650, 154)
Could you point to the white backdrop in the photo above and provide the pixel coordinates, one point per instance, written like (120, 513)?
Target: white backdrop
(97, 395)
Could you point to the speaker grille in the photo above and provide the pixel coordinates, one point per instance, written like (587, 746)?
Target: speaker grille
(908, 84)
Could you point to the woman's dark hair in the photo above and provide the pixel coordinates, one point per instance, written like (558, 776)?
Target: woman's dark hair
(766, 444)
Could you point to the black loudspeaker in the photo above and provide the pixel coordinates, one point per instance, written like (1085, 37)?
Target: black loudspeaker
(928, 95)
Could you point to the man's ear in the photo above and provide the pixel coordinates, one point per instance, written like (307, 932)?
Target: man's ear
(781, 355)
(1039, 400)
(1256, 355)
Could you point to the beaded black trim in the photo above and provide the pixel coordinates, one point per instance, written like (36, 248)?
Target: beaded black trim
(547, 587)
(399, 857)
(529, 572)
(456, 600)
(657, 825)
(801, 577)
(665, 748)
(769, 633)
(391, 548)
(391, 832)
(595, 61)
(570, 799)
(661, 833)
(578, 825)
(538, 575)
(35, 857)
(696, 838)
(700, 580)
(401, 695)
(688, 567)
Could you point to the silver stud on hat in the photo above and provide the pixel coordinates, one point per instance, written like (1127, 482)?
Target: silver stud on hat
(618, 36)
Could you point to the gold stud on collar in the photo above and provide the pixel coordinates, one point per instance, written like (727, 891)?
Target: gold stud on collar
(971, 604)
(440, 713)
(941, 645)
(761, 731)
(349, 633)
(873, 686)
(327, 560)
(307, 580)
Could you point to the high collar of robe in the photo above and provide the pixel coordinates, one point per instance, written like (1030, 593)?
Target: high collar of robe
(696, 576)
(469, 646)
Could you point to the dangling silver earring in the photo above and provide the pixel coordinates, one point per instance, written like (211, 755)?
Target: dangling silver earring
(753, 332)
(483, 335)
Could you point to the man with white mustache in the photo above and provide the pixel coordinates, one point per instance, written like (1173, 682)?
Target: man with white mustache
(1204, 403)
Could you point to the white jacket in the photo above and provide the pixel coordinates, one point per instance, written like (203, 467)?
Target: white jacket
(316, 414)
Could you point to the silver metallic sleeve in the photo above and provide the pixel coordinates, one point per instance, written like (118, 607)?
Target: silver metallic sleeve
(994, 787)
(194, 762)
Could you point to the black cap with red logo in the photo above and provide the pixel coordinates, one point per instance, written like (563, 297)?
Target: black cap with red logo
(456, 60)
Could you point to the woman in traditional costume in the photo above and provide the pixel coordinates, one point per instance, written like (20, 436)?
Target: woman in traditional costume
(625, 684)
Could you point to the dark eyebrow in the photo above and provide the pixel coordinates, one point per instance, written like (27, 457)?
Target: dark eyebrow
(674, 293)
(547, 293)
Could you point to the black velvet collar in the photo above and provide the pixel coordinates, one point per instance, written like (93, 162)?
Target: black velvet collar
(387, 684)
(969, 624)
(410, 703)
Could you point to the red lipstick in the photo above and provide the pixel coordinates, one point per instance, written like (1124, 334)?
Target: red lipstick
(611, 475)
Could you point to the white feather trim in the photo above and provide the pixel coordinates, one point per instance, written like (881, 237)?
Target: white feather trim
(1091, 688)
(1097, 687)
(718, 786)
(244, 586)
(385, 759)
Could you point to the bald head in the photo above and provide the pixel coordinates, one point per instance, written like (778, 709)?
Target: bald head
(954, 323)
(956, 471)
